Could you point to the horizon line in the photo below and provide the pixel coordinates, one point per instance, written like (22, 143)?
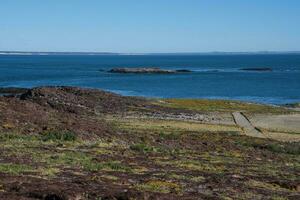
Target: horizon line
(149, 53)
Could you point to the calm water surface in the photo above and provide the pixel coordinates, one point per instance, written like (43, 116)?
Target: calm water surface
(214, 76)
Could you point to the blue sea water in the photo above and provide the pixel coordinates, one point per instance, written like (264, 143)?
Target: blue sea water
(213, 76)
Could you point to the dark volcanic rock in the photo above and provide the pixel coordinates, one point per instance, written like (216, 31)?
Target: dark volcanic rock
(12, 90)
(63, 109)
(183, 71)
(78, 100)
(146, 70)
(267, 69)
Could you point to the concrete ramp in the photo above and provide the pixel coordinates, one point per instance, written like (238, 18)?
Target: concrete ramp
(242, 121)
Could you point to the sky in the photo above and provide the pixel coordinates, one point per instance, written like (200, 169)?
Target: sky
(150, 26)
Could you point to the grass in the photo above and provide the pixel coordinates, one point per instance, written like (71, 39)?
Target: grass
(286, 148)
(200, 166)
(169, 136)
(58, 136)
(144, 148)
(56, 150)
(84, 161)
(196, 179)
(174, 127)
(159, 186)
(14, 169)
(63, 136)
(4, 137)
(220, 105)
(206, 155)
(267, 186)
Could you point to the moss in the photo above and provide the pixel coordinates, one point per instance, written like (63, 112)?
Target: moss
(58, 136)
(15, 169)
(160, 186)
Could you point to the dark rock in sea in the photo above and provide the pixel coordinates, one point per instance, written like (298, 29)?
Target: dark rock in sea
(183, 71)
(146, 70)
(215, 70)
(257, 69)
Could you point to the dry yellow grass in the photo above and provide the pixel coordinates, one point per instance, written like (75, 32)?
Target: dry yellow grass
(152, 124)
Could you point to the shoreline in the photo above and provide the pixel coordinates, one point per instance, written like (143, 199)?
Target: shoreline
(19, 90)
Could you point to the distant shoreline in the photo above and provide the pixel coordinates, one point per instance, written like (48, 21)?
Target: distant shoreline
(136, 54)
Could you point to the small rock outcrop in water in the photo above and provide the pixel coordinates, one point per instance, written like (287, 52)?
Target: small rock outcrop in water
(266, 69)
(147, 70)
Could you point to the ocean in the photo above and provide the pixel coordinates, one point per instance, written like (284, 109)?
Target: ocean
(212, 76)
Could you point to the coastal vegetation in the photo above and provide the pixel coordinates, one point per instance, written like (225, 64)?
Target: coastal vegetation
(72, 143)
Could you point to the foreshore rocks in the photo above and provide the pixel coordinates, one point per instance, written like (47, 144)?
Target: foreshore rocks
(12, 91)
(147, 70)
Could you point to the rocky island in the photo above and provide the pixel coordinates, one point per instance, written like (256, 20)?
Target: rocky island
(146, 70)
(67, 143)
(260, 69)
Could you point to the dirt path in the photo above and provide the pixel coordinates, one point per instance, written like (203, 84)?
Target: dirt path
(245, 124)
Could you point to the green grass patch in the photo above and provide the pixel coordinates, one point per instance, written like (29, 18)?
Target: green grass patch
(287, 148)
(169, 136)
(4, 137)
(160, 187)
(220, 105)
(85, 161)
(14, 169)
(58, 136)
(264, 185)
(144, 148)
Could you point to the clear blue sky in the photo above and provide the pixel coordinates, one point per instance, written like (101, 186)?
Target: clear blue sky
(139, 26)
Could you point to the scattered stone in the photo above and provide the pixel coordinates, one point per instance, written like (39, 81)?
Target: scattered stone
(8, 126)
(236, 176)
